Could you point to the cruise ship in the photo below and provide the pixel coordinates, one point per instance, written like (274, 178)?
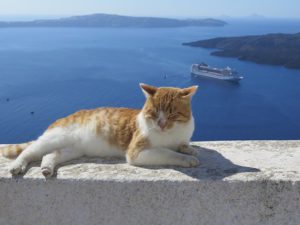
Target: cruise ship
(205, 70)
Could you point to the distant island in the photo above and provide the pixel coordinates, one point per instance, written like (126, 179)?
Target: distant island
(108, 20)
(273, 49)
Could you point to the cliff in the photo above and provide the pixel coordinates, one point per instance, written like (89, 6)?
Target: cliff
(273, 49)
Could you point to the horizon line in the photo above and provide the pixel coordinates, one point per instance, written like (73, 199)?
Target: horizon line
(251, 16)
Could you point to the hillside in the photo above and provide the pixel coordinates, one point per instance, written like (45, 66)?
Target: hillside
(273, 49)
(107, 20)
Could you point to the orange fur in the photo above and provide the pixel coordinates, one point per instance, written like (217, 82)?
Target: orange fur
(122, 123)
(12, 151)
(174, 102)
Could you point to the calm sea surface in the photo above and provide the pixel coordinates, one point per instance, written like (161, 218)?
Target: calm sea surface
(53, 72)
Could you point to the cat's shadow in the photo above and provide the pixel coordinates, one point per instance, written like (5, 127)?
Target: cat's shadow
(213, 165)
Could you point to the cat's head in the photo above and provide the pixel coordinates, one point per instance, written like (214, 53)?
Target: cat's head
(166, 106)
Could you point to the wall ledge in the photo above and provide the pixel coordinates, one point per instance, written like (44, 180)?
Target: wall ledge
(238, 182)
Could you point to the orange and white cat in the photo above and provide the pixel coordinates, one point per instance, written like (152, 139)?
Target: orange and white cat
(159, 134)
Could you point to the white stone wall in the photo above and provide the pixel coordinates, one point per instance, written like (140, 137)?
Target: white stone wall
(241, 182)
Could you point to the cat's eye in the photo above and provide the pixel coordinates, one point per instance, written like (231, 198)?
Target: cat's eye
(151, 115)
(154, 114)
(173, 116)
(178, 116)
(148, 116)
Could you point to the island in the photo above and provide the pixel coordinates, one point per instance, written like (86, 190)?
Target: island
(273, 49)
(108, 20)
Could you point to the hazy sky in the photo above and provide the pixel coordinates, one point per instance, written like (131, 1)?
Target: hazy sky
(165, 8)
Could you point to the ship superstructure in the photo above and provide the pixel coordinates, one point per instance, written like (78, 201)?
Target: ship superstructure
(205, 70)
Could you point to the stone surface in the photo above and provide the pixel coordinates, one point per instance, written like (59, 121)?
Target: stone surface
(238, 182)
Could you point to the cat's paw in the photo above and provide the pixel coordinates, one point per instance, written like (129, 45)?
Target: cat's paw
(47, 172)
(185, 149)
(190, 161)
(193, 152)
(17, 167)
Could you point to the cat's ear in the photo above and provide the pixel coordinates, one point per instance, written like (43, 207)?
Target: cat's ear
(148, 90)
(188, 92)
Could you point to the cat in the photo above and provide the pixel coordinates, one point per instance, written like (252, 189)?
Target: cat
(157, 135)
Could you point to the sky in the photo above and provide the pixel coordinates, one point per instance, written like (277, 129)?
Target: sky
(157, 8)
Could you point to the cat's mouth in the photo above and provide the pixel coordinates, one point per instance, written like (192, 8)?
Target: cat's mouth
(163, 127)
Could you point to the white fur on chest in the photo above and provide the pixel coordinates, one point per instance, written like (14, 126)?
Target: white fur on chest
(180, 133)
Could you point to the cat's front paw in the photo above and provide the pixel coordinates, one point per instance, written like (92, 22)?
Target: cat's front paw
(47, 171)
(190, 161)
(186, 149)
(17, 167)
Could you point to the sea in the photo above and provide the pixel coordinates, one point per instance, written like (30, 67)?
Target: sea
(48, 73)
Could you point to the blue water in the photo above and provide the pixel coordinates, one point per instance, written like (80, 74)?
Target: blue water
(56, 71)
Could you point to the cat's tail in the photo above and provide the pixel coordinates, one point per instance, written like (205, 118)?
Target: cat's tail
(13, 150)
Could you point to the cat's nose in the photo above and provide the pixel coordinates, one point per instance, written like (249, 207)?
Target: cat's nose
(162, 123)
